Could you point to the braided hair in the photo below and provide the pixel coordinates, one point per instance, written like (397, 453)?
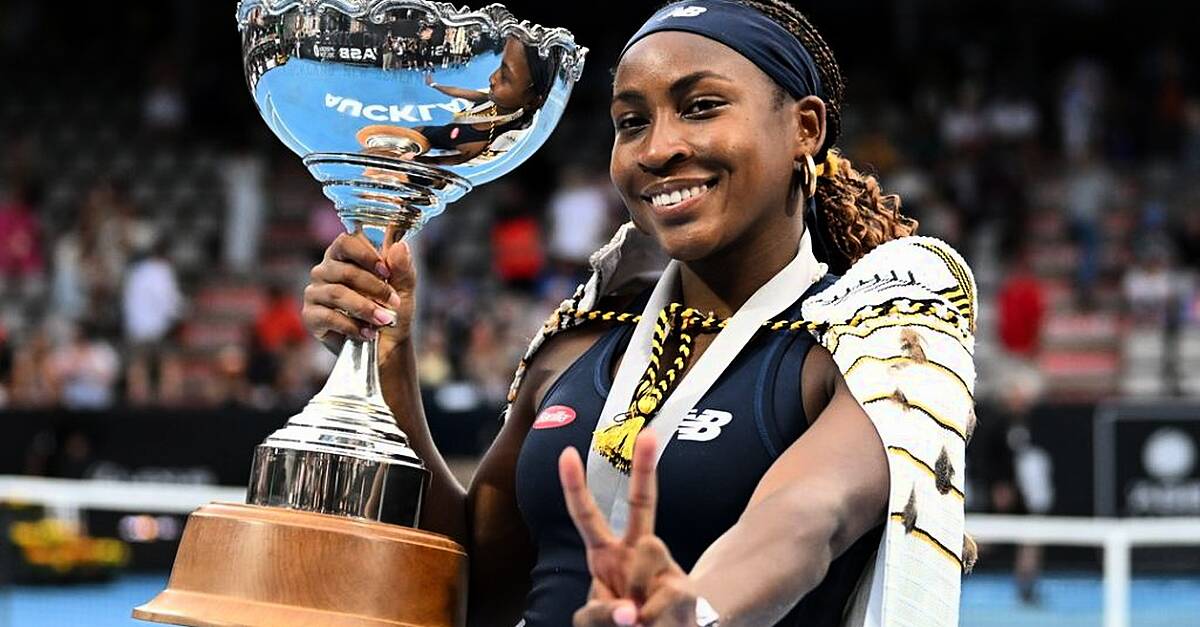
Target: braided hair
(856, 214)
(853, 214)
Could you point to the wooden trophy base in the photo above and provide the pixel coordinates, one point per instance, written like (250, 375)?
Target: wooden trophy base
(250, 566)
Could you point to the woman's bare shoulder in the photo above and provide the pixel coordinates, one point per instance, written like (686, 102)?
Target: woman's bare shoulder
(561, 350)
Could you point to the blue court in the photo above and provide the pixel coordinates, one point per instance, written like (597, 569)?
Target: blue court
(988, 601)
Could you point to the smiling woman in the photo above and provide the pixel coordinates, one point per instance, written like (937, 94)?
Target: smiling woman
(784, 416)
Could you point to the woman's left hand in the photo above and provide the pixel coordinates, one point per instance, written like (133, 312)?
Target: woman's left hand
(635, 581)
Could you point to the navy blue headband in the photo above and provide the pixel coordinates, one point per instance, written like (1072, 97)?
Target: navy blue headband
(752, 34)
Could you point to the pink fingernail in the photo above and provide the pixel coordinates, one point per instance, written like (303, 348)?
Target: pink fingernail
(625, 615)
(382, 270)
(369, 334)
(395, 302)
(385, 317)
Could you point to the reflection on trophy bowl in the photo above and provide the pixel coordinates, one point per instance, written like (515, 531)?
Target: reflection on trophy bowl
(392, 141)
(449, 97)
(397, 107)
(396, 142)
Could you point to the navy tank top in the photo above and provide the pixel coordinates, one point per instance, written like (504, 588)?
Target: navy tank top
(705, 477)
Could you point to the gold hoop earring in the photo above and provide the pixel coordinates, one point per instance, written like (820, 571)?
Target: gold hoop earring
(808, 176)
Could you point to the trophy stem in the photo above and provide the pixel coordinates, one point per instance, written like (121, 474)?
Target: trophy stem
(344, 454)
(354, 381)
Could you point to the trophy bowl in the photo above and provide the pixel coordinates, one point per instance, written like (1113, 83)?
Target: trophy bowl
(398, 108)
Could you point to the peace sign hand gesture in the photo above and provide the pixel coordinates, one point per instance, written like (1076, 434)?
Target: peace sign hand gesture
(634, 578)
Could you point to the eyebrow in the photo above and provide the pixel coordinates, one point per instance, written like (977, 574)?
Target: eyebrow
(678, 88)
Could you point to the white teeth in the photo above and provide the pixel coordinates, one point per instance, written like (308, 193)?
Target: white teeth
(678, 196)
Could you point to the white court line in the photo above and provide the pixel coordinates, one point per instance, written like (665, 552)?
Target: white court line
(131, 496)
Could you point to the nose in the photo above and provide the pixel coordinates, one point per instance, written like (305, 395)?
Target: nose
(664, 145)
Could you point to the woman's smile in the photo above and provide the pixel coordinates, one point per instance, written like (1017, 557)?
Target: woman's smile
(678, 200)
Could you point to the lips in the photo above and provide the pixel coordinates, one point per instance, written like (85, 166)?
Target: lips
(673, 198)
(673, 194)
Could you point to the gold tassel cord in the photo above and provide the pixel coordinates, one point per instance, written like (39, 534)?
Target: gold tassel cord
(615, 442)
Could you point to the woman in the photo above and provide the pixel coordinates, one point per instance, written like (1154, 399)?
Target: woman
(770, 496)
(516, 90)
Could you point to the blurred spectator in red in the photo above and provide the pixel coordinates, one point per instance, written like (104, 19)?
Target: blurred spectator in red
(1021, 302)
(517, 252)
(277, 333)
(517, 246)
(279, 325)
(20, 237)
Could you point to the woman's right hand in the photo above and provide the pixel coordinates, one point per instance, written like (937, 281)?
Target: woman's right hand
(354, 292)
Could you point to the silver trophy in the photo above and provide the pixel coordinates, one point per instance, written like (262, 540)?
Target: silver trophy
(398, 108)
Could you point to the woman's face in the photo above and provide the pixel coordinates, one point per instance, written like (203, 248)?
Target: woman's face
(704, 148)
(511, 85)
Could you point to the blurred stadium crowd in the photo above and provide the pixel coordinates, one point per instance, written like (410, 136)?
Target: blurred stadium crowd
(154, 239)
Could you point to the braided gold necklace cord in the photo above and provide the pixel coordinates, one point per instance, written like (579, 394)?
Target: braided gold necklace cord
(615, 442)
(709, 322)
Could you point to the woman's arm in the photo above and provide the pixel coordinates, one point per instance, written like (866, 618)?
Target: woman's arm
(827, 490)
(502, 553)
(474, 95)
(484, 518)
(353, 291)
